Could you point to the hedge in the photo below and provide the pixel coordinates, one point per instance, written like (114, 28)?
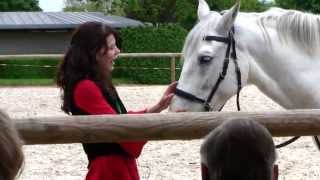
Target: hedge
(164, 38)
(39, 68)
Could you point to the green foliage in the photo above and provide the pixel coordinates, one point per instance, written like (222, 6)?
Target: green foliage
(80, 5)
(26, 82)
(114, 7)
(117, 7)
(155, 11)
(183, 12)
(28, 68)
(165, 38)
(187, 9)
(19, 5)
(304, 5)
(186, 13)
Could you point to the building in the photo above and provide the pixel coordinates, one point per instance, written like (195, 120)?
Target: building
(47, 32)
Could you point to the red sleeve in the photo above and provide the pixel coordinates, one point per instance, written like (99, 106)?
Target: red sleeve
(88, 97)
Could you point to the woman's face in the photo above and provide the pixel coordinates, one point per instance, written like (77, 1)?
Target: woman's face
(107, 55)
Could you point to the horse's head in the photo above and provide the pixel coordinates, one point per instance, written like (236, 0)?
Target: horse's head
(207, 46)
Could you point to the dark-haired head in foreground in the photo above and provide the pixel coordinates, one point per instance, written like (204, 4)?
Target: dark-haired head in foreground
(11, 155)
(239, 150)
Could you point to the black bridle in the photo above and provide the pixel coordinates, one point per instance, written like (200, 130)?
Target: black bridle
(206, 103)
(231, 51)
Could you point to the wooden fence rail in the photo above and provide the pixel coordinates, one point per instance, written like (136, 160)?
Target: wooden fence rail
(127, 55)
(170, 126)
(171, 56)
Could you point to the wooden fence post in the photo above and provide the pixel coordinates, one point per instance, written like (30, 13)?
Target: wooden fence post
(173, 69)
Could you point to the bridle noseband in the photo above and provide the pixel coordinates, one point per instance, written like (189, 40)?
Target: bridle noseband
(231, 51)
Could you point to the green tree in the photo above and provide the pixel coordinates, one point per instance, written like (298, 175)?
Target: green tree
(304, 5)
(114, 7)
(19, 5)
(187, 9)
(155, 11)
(83, 5)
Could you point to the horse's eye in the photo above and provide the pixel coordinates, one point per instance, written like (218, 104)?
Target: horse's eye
(205, 59)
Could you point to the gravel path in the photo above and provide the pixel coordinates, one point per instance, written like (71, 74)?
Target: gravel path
(167, 160)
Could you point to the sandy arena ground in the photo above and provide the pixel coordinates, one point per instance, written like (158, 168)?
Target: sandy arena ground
(176, 160)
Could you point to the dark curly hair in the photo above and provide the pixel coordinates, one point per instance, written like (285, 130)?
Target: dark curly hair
(80, 61)
(239, 149)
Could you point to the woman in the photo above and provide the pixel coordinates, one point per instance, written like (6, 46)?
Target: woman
(84, 77)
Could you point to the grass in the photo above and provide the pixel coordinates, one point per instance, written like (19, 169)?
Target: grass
(48, 82)
(39, 71)
(26, 82)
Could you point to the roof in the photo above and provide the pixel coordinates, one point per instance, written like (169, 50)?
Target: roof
(59, 20)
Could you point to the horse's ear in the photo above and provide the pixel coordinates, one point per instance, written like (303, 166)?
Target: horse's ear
(203, 9)
(228, 18)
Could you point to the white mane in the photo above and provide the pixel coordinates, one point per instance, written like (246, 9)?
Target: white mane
(300, 29)
(293, 27)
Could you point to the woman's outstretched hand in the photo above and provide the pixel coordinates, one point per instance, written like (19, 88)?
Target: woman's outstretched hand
(165, 100)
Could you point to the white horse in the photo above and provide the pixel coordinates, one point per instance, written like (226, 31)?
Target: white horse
(277, 50)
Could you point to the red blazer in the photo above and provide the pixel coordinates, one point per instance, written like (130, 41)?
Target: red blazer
(89, 98)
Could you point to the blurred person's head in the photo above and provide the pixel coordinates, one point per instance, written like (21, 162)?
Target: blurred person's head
(11, 155)
(239, 150)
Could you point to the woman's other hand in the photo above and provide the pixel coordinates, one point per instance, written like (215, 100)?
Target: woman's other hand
(165, 100)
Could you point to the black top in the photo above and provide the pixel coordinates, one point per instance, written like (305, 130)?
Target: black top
(94, 150)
